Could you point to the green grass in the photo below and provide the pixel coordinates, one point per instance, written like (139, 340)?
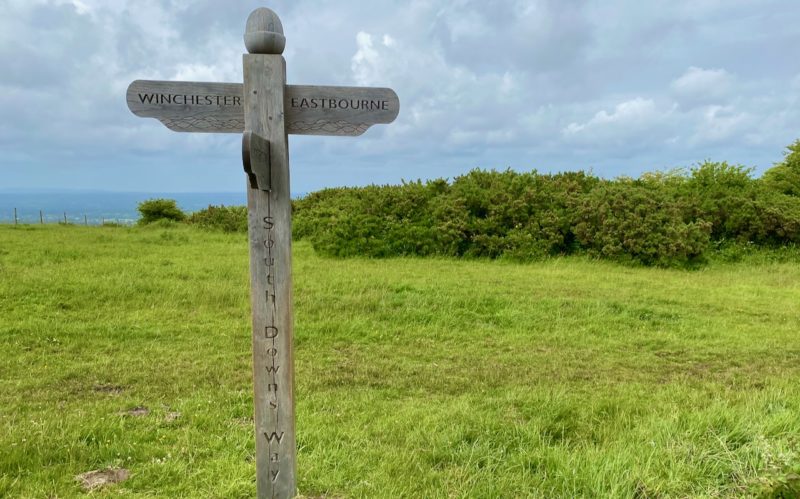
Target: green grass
(415, 377)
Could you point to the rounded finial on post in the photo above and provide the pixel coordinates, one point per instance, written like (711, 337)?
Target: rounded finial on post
(264, 32)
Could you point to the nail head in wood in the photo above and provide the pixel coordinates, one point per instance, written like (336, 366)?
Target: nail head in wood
(263, 33)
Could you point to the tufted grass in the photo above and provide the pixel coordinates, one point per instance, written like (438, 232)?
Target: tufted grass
(415, 377)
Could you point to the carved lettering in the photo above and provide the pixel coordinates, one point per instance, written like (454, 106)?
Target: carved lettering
(274, 458)
(273, 404)
(323, 103)
(272, 352)
(190, 99)
(275, 474)
(272, 387)
(274, 436)
(270, 332)
(273, 369)
(269, 223)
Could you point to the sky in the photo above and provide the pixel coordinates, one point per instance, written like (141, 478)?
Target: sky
(618, 87)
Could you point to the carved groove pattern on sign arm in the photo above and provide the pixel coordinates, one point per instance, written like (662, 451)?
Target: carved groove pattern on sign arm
(205, 124)
(331, 127)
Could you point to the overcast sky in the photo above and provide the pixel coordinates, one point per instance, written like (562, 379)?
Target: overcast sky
(617, 86)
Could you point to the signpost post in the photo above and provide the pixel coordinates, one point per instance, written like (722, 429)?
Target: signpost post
(266, 110)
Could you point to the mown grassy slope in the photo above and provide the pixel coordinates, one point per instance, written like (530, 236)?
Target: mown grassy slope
(415, 377)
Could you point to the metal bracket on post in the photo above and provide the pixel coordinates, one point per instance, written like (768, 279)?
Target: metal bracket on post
(255, 156)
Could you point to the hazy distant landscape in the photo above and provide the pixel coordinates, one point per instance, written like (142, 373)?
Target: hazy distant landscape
(99, 205)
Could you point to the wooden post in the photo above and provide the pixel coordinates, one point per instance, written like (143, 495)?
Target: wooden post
(270, 235)
(15, 216)
(41, 217)
(265, 110)
(85, 220)
(65, 218)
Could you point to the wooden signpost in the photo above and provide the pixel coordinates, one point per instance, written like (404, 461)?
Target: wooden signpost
(264, 109)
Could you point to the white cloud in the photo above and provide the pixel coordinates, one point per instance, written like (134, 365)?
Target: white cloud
(699, 85)
(365, 61)
(197, 72)
(719, 123)
(632, 116)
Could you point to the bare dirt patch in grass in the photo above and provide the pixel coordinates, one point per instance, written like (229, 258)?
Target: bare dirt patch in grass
(137, 412)
(95, 479)
(109, 389)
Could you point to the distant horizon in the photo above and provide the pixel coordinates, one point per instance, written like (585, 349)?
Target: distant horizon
(31, 190)
(757, 173)
(98, 206)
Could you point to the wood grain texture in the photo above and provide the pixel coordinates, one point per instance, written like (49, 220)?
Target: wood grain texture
(189, 106)
(270, 237)
(255, 156)
(263, 32)
(347, 111)
(217, 107)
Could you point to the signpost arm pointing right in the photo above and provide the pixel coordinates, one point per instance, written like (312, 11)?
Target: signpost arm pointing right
(270, 236)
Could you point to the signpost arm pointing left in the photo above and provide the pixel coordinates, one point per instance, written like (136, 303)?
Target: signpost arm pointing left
(270, 235)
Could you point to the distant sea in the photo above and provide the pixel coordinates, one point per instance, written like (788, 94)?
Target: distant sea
(101, 206)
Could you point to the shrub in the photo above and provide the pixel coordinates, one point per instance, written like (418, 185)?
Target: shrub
(153, 210)
(631, 221)
(722, 194)
(785, 176)
(663, 218)
(224, 218)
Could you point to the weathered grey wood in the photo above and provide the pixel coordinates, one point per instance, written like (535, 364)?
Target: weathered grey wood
(270, 234)
(263, 33)
(189, 106)
(217, 107)
(255, 157)
(318, 110)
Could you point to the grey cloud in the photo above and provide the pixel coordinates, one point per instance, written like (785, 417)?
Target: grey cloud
(538, 83)
(524, 36)
(703, 86)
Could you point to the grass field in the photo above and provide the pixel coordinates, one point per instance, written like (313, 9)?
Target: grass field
(415, 377)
